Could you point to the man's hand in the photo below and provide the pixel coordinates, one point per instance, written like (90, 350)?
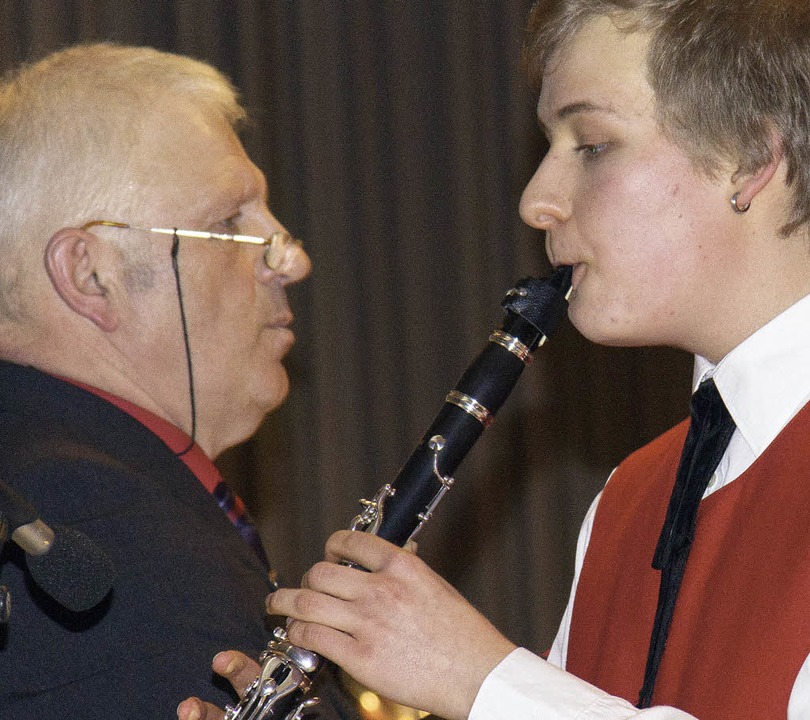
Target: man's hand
(235, 667)
(399, 629)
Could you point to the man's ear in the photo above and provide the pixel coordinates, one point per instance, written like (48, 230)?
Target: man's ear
(75, 261)
(749, 185)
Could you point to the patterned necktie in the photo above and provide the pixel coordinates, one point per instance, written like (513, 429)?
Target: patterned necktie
(237, 513)
(710, 431)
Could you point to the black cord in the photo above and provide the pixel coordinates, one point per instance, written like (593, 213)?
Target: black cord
(176, 269)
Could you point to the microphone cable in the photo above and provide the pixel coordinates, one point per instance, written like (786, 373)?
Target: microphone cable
(186, 342)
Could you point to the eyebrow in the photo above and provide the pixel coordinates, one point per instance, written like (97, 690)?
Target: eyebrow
(578, 108)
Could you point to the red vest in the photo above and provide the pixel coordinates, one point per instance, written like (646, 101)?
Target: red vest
(741, 628)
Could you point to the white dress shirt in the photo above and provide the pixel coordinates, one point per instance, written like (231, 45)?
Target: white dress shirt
(764, 382)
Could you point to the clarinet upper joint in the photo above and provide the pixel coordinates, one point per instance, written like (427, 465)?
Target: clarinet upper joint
(436, 444)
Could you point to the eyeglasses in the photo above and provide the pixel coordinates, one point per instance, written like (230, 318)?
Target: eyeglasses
(280, 248)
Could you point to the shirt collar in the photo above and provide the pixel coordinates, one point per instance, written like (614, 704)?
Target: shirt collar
(175, 439)
(765, 380)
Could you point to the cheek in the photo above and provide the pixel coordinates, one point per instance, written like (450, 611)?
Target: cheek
(231, 299)
(642, 252)
(647, 213)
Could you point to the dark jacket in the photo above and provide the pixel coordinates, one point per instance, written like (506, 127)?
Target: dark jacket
(187, 585)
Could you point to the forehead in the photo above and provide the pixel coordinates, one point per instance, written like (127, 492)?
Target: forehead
(196, 159)
(600, 69)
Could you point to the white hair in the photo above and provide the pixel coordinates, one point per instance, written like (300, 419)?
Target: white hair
(71, 125)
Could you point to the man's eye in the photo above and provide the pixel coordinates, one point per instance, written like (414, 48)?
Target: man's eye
(229, 225)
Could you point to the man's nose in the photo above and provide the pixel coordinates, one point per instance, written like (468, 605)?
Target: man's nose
(285, 258)
(298, 264)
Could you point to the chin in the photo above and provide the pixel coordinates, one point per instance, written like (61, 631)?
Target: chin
(273, 392)
(601, 330)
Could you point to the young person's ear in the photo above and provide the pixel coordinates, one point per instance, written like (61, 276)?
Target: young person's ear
(75, 261)
(749, 185)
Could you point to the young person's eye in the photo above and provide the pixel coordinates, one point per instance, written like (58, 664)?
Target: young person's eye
(591, 149)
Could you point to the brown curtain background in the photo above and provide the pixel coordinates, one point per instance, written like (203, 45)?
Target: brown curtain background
(397, 137)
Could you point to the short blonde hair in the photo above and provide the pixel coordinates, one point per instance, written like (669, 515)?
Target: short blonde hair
(70, 126)
(726, 74)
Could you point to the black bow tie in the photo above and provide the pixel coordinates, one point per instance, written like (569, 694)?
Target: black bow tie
(710, 431)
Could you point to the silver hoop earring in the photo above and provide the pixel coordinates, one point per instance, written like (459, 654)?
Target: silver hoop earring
(739, 208)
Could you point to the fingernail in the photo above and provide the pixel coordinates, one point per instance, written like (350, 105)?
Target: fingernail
(232, 665)
(193, 714)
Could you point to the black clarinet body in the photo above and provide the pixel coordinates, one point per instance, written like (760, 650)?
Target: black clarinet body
(534, 308)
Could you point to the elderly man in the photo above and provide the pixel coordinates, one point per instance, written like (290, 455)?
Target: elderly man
(143, 323)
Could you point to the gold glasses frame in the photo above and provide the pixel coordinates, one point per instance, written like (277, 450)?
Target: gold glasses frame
(277, 247)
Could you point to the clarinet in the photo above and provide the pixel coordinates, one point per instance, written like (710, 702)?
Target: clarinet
(399, 510)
